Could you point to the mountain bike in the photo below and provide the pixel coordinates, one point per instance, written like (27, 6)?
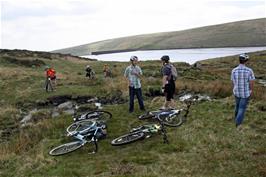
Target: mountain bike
(171, 117)
(84, 132)
(99, 115)
(141, 132)
(48, 85)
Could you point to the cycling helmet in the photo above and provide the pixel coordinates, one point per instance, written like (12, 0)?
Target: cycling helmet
(47, 67)
(88, 66)
(133, 58)
(243, 57)
(165, 58)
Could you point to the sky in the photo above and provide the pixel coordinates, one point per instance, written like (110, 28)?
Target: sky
(46, 25)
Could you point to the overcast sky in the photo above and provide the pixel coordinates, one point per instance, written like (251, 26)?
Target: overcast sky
(47, 25)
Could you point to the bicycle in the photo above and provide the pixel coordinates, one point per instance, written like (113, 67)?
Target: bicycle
(141, 132)
(84, 132)
(92, 115)
(171, 117)
(48, 85)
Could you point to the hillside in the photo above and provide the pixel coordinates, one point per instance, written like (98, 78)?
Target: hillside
(207, 144)
(247, 33)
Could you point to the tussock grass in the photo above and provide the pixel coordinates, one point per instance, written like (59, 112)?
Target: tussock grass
(207, 144)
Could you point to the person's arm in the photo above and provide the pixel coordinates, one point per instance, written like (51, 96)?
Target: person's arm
(251, 86)
(251, 82)
(139, 73)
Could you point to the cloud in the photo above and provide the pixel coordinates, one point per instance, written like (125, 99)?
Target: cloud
(49, 24)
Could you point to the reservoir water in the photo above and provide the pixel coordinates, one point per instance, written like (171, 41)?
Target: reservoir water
(177, 55)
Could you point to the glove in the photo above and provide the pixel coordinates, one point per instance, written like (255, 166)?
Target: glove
(163, 89)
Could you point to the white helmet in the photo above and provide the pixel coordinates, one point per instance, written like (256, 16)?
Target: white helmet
(133, 58)
(243, 57)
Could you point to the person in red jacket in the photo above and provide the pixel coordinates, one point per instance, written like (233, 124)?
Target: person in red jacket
(51, 73)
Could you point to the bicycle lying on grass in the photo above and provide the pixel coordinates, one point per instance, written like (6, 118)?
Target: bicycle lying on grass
(141, 132)
(171, 117)
(96, 115)
(88, 127)
(84, 132)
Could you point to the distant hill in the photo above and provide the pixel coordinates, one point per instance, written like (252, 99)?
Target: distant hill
(247, 33)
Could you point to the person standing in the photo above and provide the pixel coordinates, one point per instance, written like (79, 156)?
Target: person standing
(51, 74)
(106, 71)
(243, 83)
(133, 74)
(89, 72)
(168, 83)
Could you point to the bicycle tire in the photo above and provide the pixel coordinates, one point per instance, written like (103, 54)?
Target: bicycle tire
(127, 138)
(66, 148)
(146, 116)
(98, 115)
(172, 121)
(80, 126)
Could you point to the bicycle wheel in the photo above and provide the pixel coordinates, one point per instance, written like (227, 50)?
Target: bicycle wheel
(147, 115)
(99, 115)
(81, 126)
(66, 148)
(172, 121)
(127, 138)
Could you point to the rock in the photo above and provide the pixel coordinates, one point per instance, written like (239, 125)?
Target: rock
(92, 100)
(65, 106)
(69, 112)
(28, 117)
(55, 113)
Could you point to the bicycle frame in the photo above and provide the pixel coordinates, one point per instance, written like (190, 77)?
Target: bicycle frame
(82, 138)
(152, 128)
(83, 132)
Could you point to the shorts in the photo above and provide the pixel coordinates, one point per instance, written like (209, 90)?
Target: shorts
(169, 91)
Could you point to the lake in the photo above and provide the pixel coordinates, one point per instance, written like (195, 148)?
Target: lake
(177, 55)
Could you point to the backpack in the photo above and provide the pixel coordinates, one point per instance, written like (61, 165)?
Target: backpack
(174, 72)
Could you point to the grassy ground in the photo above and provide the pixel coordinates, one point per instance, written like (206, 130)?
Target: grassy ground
(208, 144)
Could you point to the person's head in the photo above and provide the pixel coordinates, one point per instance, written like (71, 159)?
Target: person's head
(165, 59)
(46, 67)
(243, 58)
(134, 60)
(88, 66)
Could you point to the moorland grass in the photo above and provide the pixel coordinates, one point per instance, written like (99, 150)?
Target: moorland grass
(207, 144)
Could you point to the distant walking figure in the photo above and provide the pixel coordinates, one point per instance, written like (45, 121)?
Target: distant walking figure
(243, 83)
(89, 72)
(133, 73)
(106, 71)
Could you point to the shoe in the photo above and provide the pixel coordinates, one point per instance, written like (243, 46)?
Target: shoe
(239, 127)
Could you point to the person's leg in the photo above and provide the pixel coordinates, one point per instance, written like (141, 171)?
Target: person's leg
(131, 99)
(140, 99)
(167, 95)
(237, 100)
(243, 102)
(171, 96)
